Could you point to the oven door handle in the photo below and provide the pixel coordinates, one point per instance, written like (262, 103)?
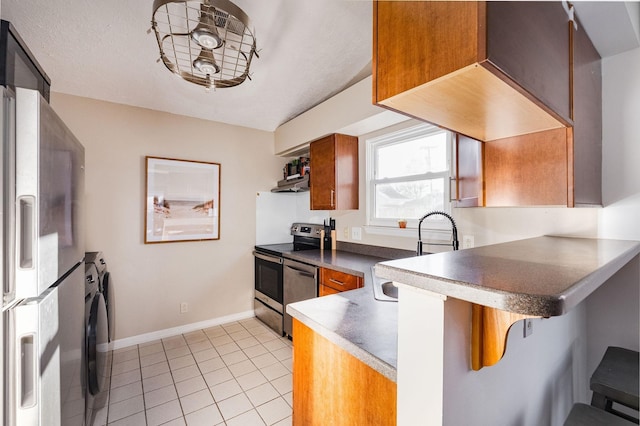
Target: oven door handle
(267, 258)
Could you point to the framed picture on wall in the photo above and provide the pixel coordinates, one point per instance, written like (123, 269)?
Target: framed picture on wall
(182, 200)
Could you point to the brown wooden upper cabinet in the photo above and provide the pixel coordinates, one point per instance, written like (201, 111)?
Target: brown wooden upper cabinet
(517, 81)
(488, 70)
(334, 173)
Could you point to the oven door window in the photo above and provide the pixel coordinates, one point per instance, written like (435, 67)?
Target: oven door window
(269, 279)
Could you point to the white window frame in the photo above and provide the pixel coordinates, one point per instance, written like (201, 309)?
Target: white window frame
(397, 134)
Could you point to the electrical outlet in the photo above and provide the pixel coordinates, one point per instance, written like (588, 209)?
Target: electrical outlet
(184, 307)
(528, 327)
(356, 233)
(346, 232)
(467, 241)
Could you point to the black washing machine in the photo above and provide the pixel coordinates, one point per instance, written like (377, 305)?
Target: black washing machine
(98, 356)
(105, 286)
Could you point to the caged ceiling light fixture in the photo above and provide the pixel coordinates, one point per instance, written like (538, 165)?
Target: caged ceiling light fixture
(205, 42)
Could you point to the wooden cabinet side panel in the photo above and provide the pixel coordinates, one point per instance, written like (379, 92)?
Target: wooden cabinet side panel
(331, 387)
(529, 41)
(374, 55)
(416, 42)
(528, 170)
(587, 80)
(322, 176)
(346, 169)
(468, 172)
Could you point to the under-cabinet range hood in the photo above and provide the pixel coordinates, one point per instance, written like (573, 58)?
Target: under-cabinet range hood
(298, 184)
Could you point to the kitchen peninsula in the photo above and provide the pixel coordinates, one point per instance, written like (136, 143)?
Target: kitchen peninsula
(344, 348)
(538, 277)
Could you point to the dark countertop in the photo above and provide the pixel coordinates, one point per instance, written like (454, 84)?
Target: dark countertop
(544, 276)
(355, 321)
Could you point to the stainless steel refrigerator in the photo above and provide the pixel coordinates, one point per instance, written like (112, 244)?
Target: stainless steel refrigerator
(42, 244)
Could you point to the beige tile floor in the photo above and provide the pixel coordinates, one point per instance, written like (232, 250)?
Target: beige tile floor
(234, 374)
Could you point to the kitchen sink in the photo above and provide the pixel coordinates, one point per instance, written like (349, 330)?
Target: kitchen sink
(383, 289)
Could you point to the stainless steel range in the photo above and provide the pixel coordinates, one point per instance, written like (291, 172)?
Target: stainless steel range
(279, 282)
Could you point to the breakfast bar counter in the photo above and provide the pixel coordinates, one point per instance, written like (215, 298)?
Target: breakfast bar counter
(544, 276)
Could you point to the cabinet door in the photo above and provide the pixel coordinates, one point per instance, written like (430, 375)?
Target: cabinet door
(417, 42)
(468, 172)
(587, 130)
(323, 174)
(529, 41)
(528, 170)
(347, 175)
(334, 173)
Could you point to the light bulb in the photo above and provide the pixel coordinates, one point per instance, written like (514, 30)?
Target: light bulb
(206, 33)
(206, 63)
(206, 38)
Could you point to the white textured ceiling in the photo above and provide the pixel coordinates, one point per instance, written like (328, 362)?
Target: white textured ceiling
(309, 50)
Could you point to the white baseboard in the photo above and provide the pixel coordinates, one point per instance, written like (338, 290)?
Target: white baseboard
(160, 334)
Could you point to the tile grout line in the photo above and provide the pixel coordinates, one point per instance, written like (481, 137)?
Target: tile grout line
(173, 382)
(144, 403)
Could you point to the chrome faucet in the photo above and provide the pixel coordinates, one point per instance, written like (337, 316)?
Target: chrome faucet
(454, 230)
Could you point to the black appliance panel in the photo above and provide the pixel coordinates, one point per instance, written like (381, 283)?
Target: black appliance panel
(268, 276)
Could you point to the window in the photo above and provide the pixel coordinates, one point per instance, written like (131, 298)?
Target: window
(408, 175)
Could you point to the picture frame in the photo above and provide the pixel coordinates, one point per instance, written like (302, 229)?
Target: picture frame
(182, 200)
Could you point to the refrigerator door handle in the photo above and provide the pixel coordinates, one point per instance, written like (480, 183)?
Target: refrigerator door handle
(27, 373)
(26, 233)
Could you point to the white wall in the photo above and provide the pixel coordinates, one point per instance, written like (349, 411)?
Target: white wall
(350, 112)
(614, 310)
(214, 277)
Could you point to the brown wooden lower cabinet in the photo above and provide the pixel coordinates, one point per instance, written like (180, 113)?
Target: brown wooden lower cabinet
(338, 281)
(332, 387)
